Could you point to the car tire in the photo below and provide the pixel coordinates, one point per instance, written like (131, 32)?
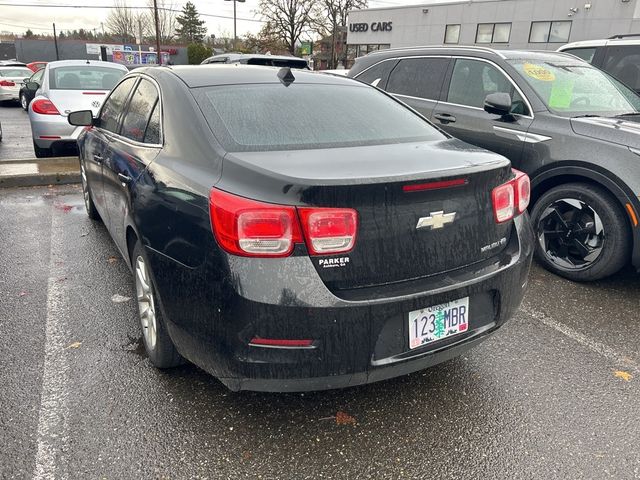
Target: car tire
(92, 212)
(41, 152)
(24, 103)
(581, 232)
(157, 343)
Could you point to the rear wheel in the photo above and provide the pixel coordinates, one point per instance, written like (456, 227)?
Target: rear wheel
(157, 343)
(41, 152)
(581, 232)
(92, 213)
(23, 102)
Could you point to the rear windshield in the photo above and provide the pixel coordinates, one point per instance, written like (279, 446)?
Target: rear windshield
(278, 62)
(15, 72)
(84, 77)
(258, 117)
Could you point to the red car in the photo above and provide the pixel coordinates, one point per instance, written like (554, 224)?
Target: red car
(35, 66)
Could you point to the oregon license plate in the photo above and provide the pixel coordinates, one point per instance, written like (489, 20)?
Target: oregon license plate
(438, 322)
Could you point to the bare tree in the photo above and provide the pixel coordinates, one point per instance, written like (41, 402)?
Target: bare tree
(333, 21)
(121, 21)
(288, 19)
(167, 13)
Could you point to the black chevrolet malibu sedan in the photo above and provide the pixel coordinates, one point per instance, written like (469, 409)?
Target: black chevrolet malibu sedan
(293, 231)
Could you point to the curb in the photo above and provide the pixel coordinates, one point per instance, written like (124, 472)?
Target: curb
(39, 172)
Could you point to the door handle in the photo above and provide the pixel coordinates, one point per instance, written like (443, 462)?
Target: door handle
(97, 158)
(445, 117)
(125, 179)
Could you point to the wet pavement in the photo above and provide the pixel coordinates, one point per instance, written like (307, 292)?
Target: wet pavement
(16, 133)
(554, 394)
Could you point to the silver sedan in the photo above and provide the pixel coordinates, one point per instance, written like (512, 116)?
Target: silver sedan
(67, 86)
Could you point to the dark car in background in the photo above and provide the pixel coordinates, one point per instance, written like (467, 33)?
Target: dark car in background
(257, 59)
(282, 247)
(29, 88)
(570, 126)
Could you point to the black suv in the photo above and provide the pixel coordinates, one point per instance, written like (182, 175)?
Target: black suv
(574, 129)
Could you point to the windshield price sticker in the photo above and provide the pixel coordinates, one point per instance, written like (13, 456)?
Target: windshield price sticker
(438, 322)
(538, 72)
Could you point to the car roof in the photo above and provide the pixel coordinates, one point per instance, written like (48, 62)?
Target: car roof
(624, 40)
(540, 55)
(232, 74)
(76, 63)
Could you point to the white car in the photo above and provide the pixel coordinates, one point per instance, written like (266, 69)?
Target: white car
(11, 79)
(67, 86)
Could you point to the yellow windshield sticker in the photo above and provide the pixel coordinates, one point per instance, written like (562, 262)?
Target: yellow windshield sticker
(538, 72)
(561, 94)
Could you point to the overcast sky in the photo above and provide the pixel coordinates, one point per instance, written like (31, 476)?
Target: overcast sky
(17, 18)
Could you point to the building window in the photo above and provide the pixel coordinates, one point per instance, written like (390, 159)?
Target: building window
(550, 32)
(452, 34)
(362, 50)
(493, 33)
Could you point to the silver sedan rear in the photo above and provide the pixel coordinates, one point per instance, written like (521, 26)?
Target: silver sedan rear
(67, 86)
(11, 79)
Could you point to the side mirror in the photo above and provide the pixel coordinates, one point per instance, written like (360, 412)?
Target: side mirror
(81, 118)
(498, 103)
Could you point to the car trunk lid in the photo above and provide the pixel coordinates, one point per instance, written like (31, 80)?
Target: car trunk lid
(67, 101)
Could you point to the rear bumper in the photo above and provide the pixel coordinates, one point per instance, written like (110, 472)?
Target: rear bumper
(6, 96)
(48, 130)
(355, 341)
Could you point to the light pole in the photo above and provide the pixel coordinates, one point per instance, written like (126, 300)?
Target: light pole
(235, 37)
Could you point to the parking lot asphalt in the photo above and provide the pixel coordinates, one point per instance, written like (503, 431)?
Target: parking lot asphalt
(554, 394)
(16, 133)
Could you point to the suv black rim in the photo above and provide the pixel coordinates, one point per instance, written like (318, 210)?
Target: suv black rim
(571, 234)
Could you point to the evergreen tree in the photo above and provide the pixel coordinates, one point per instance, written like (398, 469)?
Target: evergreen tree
(191, 28)
(28, 34)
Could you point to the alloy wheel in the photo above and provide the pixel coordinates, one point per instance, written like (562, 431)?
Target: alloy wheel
(23, 102)
(85, 187)
(146, 303)
(571, 234)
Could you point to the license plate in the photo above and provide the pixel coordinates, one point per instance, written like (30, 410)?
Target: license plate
(438, 322)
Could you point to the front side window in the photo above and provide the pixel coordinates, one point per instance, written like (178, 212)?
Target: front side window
(265, 117)
(550, 32)
(473, 80)
(143, 100)
(418, 77)
(573, 88)
(37, 77)
(452, 34)
(112, 108)
(84, 77)
(493, 33)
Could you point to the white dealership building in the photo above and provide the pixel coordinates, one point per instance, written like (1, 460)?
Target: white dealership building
(530, 24)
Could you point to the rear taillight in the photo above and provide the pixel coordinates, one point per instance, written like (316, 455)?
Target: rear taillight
(250, 228)
(44, 107)
(329, 230)
(253, 229)
(7, 83)
(511, 198)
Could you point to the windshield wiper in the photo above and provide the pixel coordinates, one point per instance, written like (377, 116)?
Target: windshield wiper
(628, 114)
(587, 115)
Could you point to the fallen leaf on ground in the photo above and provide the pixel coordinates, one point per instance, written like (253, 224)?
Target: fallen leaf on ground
(84, 234)
(117, 298)
(626, 376)
(23, 293)
(343, 418)
(75, 345)
(112, 259)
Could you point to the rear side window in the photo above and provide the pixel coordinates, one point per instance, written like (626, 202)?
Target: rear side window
(418, 77)
(38, 76)
(306, 116)
(473, 80)
(113, 105)
(585, 54)
(141, 106)
(84, 77)
(152, 134)
(623, 62)
(378, 74)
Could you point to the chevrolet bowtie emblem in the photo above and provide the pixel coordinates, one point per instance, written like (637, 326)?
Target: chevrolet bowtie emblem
(436, 220)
